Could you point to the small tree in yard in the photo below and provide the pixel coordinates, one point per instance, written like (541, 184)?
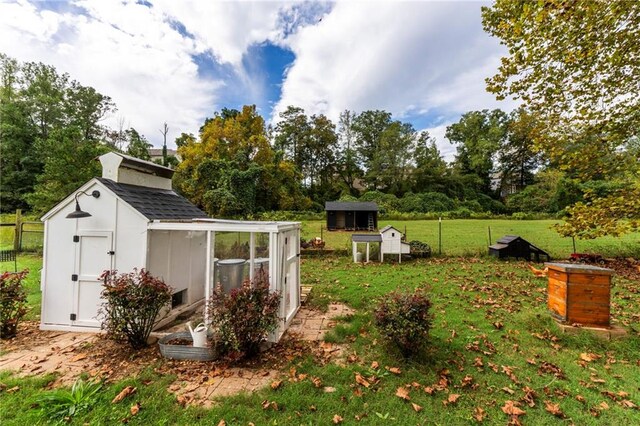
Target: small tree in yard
(244, 317)
(404, 319)
(132, 304)
(13, 302)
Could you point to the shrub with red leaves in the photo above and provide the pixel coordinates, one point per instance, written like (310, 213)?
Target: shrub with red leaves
(404, 319)
(132, 304)
(13, 302)
(245, 316)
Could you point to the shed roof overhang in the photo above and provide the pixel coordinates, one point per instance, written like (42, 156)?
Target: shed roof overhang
(221, 225)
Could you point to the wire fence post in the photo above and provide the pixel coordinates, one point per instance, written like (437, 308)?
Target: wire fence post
(573, 239)
(440, 235)
(489, 234)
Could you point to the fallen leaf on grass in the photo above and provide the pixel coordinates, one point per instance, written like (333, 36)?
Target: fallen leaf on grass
(135, 409)
(603, 406)
(13, 389)
(452, 399)
(479, 414)
(276, 384)
(508, 390)
(429, 390)
(362, 381)
(416, 407)
(337, 419)
(329, 389)
(129, 390)
(317, 381)
(394, 370)
(580, 398)
(554, 409)
(588, 357)
(511, 409)
(222, 423)
(403, 393)
(628, 404)
(375, 365)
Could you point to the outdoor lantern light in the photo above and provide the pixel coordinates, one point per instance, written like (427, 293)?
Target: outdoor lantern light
(77, 214)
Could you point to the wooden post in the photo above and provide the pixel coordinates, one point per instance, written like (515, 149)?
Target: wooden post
(17, 235)
(367, 252)
(354, 249)
(489, 234)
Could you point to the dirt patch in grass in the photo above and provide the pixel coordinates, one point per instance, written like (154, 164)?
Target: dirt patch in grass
(69, 355)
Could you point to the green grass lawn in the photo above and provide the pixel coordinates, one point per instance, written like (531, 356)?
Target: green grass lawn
(470, 237)
(492, 341)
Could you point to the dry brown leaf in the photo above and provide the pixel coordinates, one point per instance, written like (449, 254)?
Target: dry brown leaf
(329, 389)
(403, 393)
(317, 381)
(553, 409)
(222, 423)
(429, 390)
(362, 381)
(13, 389)
(375, 365)
(78, 357)
(603, 406)
(511, 409)
(588, 357)
(129, 390)
(416, 407)
(451, 399)
(337, 419)
(276, 384)
(580, 398)
(394, 370)
(135, 409)
(594, 380)
(532, 361)
(508, 390)
(181, 400)
(479, 414)
(628, 404)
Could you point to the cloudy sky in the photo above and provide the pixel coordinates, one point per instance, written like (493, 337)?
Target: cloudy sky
(180, 61)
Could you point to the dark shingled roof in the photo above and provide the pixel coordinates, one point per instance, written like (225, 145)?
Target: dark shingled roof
(350, 206)
(366, 238)
(508, 238)
(155, 203)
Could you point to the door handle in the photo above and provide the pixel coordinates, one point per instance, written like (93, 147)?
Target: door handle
(111, 252)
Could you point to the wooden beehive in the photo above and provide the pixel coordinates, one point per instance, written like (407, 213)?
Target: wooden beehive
(579, 293)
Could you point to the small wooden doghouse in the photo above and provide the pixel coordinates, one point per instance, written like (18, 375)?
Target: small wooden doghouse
(517, 247)
(579, 294)
(351, 215)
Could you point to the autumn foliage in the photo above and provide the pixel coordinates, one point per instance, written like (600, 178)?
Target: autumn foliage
(132, 303)
(245, 316)
(404, 319)
(13, 302)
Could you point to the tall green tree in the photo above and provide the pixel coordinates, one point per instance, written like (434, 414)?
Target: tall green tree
(478, 136)
(389, 168)
(576, 67)
(368, 127)
(41, 111)
(430, 173)
(346, 157)
(137, 145)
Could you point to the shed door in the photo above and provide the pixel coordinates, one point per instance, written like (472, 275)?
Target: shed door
(93, 256)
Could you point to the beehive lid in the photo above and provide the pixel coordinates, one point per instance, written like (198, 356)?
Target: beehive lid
(578, 268)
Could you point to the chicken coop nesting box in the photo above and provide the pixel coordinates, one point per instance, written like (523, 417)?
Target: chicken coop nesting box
(579, 294)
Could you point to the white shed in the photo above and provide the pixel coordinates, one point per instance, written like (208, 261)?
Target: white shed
(131, 218)
(392, 243)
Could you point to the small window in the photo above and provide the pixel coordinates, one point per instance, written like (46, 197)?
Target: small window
(393, 234)
(178, 298)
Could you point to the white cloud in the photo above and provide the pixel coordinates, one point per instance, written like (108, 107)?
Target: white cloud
(124, 50)
(404, 57)
(447, 149)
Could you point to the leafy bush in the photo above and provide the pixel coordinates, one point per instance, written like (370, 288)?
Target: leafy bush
(245, 316)
(13, 302)
(404, 319)
(63, 404)
(132, 304)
